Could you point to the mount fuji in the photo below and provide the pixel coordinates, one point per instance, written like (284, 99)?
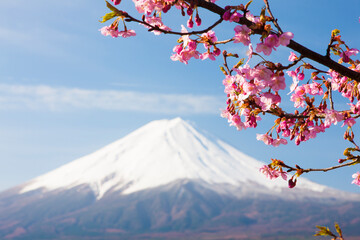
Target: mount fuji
(166, 180)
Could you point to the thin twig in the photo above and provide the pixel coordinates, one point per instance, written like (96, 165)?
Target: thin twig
(331, 98)
(225, 62)
(323, 169)
(224, 41)
(274, 20)
(292, 64)
(329, 47)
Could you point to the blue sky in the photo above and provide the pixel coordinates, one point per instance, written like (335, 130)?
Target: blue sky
(66, 90)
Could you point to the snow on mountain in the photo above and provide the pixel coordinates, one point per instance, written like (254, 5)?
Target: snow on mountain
(159, 153)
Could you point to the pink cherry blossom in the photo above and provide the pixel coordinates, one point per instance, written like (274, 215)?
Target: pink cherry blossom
(109, 31)
(349, 122)
(188, 51)
(206, 55)
(285, 38)
(208, 36)
(292, 57)
(268, 45)
(314, 88)
(299, 100)
(347, 54)
(283, 175)
(350, 52)
(265, 138)
(267, 171)
(148, 6)
(277, 142)
(235, 17)
(356, 177)
(332, 117)
(262, 47)
(277, 82)
(267, 100)
(262, 76)
(242, 34)
(249, 53)
(128, 33)
(250, 88)
(272, 41)
(156, 21)
(292, 74)
(225, 114)
(272, 173)
(252, 18)
(229, 83)
(236, 121)
(355, 108)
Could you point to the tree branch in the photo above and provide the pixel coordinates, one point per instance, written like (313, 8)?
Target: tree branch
(324, 60)
(156, 28)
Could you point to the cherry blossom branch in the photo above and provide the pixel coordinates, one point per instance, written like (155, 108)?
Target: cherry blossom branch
(324, 60)
(260, 95)
(291, 169)
(225, 62)
(129, 18)
(225, 56)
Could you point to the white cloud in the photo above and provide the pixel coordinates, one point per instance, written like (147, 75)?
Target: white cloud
(63, 99)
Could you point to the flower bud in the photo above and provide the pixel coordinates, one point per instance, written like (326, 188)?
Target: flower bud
(345, 58)
(226, 16)
(197, 20)
(292, 183)
(166, 8)
(301, 76)
(190, 11)
(341, 161)
(190, 23)
(217, 52)
(182, 11)
(116, 2)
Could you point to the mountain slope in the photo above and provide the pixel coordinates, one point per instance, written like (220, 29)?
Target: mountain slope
(159, 153)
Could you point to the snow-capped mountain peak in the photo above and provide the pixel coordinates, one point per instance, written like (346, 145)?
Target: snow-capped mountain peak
(159, 153)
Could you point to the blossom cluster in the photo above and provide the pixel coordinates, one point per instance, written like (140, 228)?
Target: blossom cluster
(187, 48)
(272, 173)
(109, 31)
(274, 170)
